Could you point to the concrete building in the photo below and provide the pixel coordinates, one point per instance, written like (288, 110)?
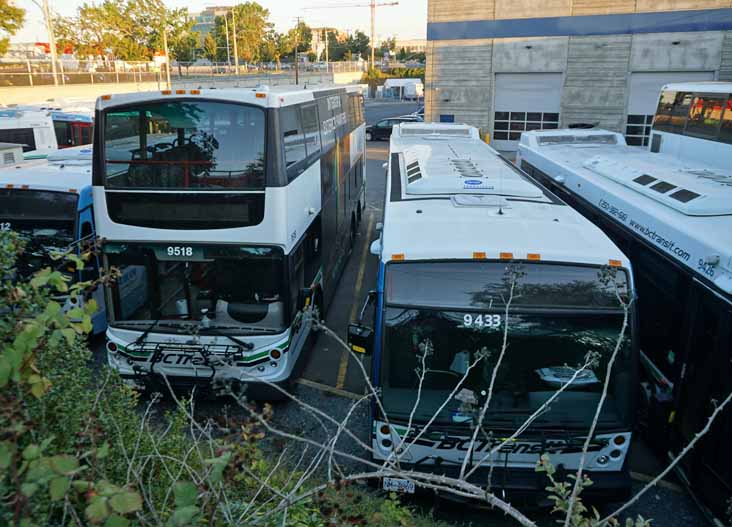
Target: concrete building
(512, 65)
(411, 45)
(205, 21)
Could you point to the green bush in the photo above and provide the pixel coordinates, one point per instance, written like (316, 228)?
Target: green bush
(79, 447)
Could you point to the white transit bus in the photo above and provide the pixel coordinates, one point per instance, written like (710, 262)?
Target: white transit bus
(459, 222)
(669, 208)
(227, 210)
(32, 129)
(48, 203)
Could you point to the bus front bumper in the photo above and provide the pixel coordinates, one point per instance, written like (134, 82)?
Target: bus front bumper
(528, 486)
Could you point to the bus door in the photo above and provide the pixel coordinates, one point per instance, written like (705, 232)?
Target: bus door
(82, 133)
(87, 234)
(707, 379)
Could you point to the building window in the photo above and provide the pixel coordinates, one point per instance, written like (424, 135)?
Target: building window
(507, 126)
(638, 129)
(447, 118)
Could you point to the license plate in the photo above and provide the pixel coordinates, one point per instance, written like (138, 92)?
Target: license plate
(399, 485)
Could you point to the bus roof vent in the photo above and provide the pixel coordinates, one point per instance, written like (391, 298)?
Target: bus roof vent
(578, 139)
(691, 191)
(480, 200)
(466, 168)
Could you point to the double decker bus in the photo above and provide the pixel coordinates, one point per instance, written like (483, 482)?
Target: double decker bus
(48, 204)
(669, 207)
(462, 228)
(227, 211)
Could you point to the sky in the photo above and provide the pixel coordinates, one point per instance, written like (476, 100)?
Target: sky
(405, 21)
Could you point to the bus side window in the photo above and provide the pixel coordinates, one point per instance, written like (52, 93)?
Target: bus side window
(293, 139)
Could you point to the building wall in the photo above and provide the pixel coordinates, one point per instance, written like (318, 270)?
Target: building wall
(596, 68)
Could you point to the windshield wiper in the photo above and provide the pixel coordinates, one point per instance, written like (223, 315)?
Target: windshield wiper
(246, 345)
(241, 328)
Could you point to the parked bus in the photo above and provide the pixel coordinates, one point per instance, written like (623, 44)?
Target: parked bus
(462, 226)
(72, 129)
(670, 210)
(32, 129)
(229, 209)
(49, 205)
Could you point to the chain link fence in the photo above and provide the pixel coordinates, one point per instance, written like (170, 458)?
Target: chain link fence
(29, 72)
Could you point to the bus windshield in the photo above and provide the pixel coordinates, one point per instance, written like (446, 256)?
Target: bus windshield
(216, 289)
(44, 220)
(185, 144)
(558, 314)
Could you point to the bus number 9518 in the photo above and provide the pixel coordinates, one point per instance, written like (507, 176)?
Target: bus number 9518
(180, 251)
(482, 321)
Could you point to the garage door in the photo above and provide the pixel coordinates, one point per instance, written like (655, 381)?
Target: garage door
(643, 99)
(524, 101)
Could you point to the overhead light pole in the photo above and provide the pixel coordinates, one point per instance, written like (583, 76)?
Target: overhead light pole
(51, 36)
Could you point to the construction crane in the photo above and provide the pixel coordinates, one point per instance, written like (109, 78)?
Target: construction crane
(373, 5)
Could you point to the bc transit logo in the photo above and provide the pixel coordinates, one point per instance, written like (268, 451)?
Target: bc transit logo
(473, 182)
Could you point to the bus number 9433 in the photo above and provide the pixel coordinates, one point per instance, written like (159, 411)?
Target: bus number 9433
(482, 321)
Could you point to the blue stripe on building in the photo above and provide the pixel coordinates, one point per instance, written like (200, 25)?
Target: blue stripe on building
(562, 26)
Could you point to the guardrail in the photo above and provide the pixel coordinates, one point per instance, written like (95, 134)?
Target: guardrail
(26, 72)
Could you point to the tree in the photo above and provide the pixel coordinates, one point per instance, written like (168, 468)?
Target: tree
(124, 29)
(11, 20)
(209, 47)
(303, 35)
(358, 44)
(252, 24)
(388, 45)
(275, 46)
(184, 48)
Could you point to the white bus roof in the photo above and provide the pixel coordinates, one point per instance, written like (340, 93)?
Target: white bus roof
(10, 118)
(62, 171)
(684, 207)
(451, 196)
(700, 87)
(265, 96)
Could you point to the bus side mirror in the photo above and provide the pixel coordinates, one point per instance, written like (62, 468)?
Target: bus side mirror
(360, 339)
(375, 247)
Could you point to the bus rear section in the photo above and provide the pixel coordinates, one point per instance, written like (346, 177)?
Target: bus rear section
(473, 250)
(228, 210)
(49, 206)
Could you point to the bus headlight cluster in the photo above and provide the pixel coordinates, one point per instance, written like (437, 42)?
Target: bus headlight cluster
(383, 437)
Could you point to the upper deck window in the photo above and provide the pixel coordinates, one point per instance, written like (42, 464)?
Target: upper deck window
(705, 116)
(185, 144)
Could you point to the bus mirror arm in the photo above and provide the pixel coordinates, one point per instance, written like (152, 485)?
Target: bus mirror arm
(370, 297)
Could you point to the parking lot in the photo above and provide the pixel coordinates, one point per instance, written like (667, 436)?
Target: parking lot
(332, 381)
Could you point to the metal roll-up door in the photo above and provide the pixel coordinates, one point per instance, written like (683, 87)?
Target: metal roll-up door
(524, 101)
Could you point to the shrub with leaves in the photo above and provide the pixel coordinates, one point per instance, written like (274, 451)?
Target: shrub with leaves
(79, 447)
